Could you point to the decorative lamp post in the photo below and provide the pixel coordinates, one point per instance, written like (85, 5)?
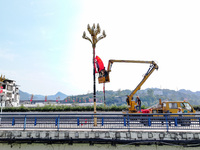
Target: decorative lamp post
(94, 39)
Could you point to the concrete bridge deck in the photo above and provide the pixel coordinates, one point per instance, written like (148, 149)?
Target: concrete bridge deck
(113, 137)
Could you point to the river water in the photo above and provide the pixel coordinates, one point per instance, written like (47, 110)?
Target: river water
(16, 146)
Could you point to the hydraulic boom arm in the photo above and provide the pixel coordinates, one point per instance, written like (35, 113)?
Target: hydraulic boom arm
(104, 77)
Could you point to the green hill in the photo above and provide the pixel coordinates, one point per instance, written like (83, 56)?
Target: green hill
(148, 96)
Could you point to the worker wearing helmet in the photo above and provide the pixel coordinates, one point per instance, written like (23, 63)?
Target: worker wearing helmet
(138, 101)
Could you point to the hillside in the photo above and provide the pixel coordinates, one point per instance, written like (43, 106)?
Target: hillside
(148, 96)
(26, 96)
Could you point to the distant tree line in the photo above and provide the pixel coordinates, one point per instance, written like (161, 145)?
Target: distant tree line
(148, 96)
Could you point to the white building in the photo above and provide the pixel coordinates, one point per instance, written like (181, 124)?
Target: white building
(11, 93)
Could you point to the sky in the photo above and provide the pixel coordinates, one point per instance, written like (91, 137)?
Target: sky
(42, 49)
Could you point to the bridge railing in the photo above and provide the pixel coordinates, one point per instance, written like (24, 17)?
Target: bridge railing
(61, 121)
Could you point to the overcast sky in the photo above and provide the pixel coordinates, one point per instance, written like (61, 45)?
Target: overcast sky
(42, 49)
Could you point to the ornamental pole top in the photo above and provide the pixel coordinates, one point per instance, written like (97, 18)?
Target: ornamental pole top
(94, 32)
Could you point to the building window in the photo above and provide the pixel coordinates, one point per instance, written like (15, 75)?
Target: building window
(9, 88)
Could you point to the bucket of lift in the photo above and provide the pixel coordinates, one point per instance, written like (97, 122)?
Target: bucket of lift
(103, 77)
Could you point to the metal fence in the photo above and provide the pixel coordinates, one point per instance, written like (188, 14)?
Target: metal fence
(104, 121)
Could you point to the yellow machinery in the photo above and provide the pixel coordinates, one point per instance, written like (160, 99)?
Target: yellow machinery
(172, 107)
(104, 77)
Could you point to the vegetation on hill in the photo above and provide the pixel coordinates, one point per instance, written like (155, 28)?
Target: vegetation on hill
(149, 97)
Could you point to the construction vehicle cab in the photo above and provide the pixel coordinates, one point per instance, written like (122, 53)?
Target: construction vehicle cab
(172, 107)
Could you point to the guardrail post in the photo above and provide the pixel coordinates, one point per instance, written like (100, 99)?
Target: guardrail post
(78, 122)
(58, 122)
(128, 120)
(25, 122)
(92, 119)
(13, 121)
(175, 122)
(199, 121)
(102, 121)
(166, 122)
(149, 121)
(35, 123)
(124, 121)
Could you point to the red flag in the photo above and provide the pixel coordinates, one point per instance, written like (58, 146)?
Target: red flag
(31, 98)
(99, 63)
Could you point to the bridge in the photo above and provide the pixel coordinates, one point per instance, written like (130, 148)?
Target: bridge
(112, 128)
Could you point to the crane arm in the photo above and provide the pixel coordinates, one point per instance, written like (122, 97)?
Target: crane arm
(104, 77)
(111, 61)
(152, 67)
